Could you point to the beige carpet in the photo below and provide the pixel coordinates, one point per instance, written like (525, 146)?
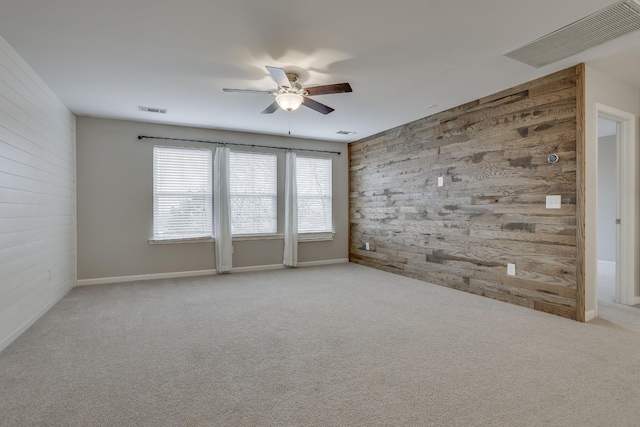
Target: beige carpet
(339, 345)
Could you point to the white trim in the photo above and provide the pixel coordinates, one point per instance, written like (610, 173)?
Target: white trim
(246, 237)
(302, 238)
(282, 266)
(172, 241)
(323, 262)
(608, 263)
(178, 274)
(258, 268)
(26, 325)
(589, 315)
(626, 231)
(122, 279)
(316, 237)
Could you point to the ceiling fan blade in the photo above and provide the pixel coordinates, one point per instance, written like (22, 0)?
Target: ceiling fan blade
(271, 108)
(246, 91)
(328, 89)
(279, 76)
(315, 105)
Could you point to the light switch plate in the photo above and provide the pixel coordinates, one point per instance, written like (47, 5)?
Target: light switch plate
(440, 181)
(554, 202)
(511, 269)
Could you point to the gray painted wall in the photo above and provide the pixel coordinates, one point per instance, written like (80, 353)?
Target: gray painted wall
(607, 173)
(115, 202)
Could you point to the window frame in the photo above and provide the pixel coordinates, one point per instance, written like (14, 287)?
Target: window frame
(249, 235)
(207, 235)
(303, 236)
(317, 235)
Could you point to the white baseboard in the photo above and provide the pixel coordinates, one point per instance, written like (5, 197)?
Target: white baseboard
(323, 262)
(122, 279)
(606, 263)
(589, 315)
(26, 325)
(257, 268)
(282, 266)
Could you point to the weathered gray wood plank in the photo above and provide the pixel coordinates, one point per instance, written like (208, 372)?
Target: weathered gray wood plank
(492, 156)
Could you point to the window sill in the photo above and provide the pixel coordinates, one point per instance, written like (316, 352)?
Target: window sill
(247, 237)
(302, 238)
(190, 240)
(315, 237)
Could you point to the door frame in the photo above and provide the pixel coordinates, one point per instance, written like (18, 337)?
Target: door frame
(626, 230)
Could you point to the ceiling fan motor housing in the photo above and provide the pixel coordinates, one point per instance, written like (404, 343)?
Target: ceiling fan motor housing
(290, 94)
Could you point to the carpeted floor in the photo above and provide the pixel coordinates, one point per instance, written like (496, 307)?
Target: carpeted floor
(339, 345)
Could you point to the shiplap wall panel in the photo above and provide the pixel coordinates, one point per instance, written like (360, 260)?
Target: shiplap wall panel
(492, 154)
(37, 196)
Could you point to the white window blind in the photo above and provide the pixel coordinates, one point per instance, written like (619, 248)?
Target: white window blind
(253, 192)
(313, 177)
(181, 193)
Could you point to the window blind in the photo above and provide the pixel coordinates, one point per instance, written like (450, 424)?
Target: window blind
(313, 177)
(253, 192)
(181, 193)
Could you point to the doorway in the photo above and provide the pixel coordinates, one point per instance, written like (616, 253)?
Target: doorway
(608, 209)
(616, 214)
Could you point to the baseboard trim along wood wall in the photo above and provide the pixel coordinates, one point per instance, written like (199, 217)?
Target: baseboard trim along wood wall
(179, 274)
(589, 315)
(453, 198)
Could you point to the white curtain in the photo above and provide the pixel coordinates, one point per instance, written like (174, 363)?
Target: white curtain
(222, 210)
(290, 212)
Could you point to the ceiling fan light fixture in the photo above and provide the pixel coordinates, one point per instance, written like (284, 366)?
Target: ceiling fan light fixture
(289, 101)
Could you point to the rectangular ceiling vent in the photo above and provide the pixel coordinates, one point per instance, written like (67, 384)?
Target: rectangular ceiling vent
(153, 110)
(607, 24)
(345, 132)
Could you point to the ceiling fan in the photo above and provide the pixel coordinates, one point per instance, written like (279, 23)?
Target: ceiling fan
(290, 94)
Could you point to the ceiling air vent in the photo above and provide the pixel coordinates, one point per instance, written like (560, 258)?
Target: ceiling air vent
(345, 132)
(607, 24)
(153, 110)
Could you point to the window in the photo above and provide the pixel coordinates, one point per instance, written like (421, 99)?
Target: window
(181, 193)
(253, 192)
(313, 176)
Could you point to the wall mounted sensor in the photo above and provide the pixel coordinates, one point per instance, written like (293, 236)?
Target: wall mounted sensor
(553, 158)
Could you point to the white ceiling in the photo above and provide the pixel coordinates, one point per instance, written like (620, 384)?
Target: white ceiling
(105, 58)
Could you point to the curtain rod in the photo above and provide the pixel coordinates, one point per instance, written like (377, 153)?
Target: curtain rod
(238, 144)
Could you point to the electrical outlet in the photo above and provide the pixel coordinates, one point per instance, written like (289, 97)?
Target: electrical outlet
(366, 246)
(554, 202)
(440, 181)
(511, 269)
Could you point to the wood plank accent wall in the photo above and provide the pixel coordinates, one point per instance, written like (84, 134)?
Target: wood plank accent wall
(492, 154)
(37, 196)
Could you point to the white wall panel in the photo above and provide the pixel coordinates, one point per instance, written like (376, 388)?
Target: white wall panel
(37, 196)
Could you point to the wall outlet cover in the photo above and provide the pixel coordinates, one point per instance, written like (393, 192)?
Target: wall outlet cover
(440, 181)
(366, 246)
(511, 269)
(554, 202)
